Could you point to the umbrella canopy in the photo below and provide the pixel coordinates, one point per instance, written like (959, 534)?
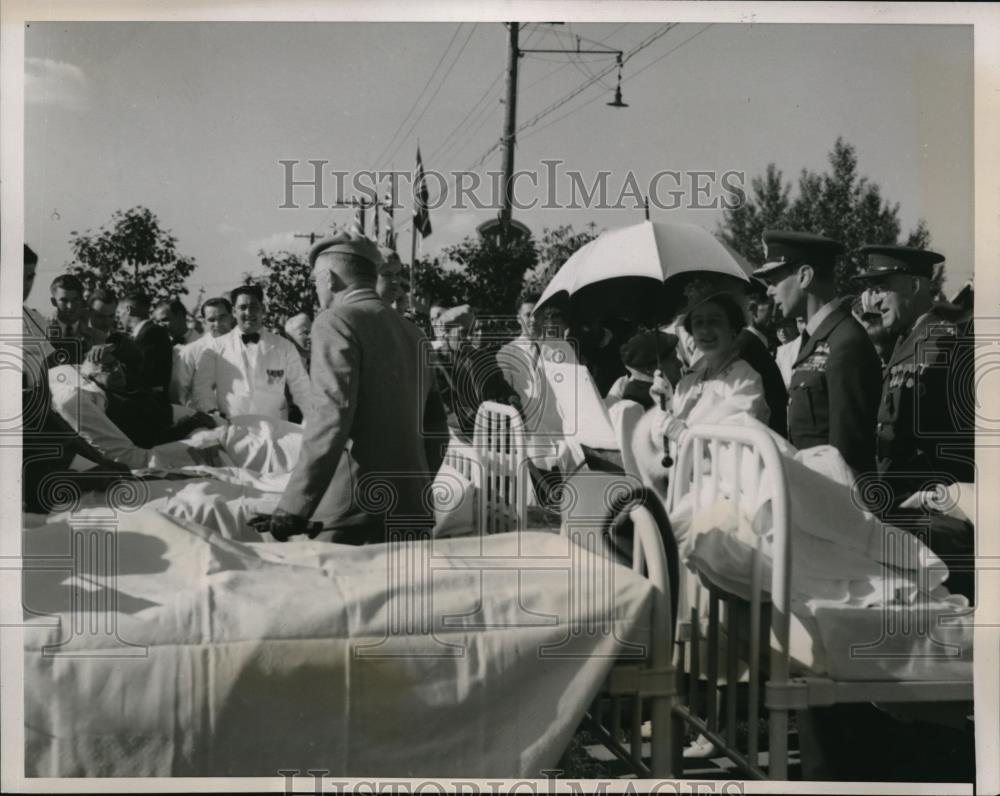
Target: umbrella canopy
(638, 271)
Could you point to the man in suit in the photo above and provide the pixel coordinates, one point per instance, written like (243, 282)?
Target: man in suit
(836, 381)
(466, 375)
(373, 388)
(68, 331)
(103, 304)
(173, 316)
(154, 342)
(754, 347)
(246, 371)
(925, 429)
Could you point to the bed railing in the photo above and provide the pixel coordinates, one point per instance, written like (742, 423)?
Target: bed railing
(701, 475)
(635, 684)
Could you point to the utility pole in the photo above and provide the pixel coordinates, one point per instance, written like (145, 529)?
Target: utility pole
(514, 53)
(510, 125)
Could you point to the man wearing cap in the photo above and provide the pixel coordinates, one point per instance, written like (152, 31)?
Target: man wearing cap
(373, 388)
(245, 371)
(925, 429)
(836, 379)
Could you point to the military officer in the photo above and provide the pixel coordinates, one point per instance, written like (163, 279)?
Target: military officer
(835, 386)
(925, 430)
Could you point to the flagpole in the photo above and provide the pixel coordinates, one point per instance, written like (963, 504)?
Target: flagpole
(413, 257)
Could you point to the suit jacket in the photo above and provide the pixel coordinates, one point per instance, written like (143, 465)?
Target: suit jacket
(835, 391)
(753, 351)
(926, 418)
(373, 386)
(157, 357)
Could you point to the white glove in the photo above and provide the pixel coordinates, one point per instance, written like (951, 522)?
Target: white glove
(661, 387)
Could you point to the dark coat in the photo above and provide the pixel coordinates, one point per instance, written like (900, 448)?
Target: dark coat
(753, 351)
(926, 417)
(157, 357)
(835, 389)
(467, 379)
(373, 386)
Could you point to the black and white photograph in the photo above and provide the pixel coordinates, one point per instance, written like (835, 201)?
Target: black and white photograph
(522, 398)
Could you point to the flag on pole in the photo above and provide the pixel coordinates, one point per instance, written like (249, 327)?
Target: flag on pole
(376, 208)
(421, 215)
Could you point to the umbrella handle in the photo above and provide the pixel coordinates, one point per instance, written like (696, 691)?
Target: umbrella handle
(666, 461)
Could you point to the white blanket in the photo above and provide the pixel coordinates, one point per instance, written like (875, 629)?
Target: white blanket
(209, 657)
(867, 598)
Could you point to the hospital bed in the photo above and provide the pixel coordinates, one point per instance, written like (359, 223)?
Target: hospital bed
(227, 658)
(596, 507)
(727, 638)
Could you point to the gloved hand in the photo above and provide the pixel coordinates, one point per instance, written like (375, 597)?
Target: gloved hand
(662, 391)
(672, 427)
(282, 525)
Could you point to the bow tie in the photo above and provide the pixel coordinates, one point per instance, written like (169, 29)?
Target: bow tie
(251, 338)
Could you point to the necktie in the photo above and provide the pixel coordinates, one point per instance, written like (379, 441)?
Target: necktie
(254, 337)
(805, 337)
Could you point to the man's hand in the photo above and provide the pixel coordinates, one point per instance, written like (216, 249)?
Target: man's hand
(192, 423)
(282, 525)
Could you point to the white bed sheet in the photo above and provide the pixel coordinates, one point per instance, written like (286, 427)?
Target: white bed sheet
(867, 599)
(242, 659)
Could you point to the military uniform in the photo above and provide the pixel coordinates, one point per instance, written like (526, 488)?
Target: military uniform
(925, 430)
(835, 391)
(835, 386)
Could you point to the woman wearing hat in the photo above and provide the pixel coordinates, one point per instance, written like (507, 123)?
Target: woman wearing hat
(720, 386)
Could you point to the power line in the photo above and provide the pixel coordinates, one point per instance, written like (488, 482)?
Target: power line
(487, 103)
(624, 80)
(436, 91)
(579, 89)
(427, 85)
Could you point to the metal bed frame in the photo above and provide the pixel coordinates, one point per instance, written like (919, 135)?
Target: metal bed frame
(496, 464)
(769, 612)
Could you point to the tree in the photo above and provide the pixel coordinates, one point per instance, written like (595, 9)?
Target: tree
(437, 285)
(135, 253)
(554, 249)
(839, 203)
(494, 267)
(288, 287)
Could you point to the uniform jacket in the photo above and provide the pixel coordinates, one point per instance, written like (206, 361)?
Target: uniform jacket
(755, 353)
(238, 379)
(186, 359)
(925, 419)
(835, 391)
(157, 356)
(373, 386)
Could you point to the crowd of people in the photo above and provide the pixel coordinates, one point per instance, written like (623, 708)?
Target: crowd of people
(884, 377)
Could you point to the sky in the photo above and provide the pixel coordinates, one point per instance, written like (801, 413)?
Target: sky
(192, 120)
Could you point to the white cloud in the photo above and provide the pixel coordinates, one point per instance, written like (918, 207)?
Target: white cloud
(55, 83)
